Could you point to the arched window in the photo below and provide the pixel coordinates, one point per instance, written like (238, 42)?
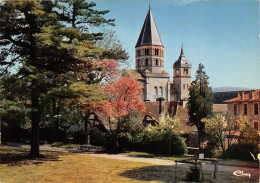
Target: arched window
(156, 51)
(156, 90)
(146, 61)
(157, 62)
(138, 63)
(177, 71)
(161, 90)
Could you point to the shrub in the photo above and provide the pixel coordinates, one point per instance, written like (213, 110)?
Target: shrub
(248, 135)
(97, 138)
(242, 151)
(161, 142)
(194, 174)
(79, 137)
(213, 149)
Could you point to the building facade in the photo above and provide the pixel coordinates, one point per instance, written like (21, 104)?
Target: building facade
(149, 66)
(246, 105)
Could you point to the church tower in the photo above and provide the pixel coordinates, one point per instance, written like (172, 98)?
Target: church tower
(149, 62)
(182, 77)
(149, 47)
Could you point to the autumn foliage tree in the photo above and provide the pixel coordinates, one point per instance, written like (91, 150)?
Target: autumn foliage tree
(124, 96)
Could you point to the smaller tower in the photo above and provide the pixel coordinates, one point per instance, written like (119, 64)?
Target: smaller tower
(182, 77)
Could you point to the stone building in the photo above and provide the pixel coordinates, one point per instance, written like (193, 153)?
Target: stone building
(149, 67)
(247, 105)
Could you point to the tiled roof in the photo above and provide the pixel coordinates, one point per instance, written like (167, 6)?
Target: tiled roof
(156, 75)
(173, 109)
(250, 97)
(134, 73)
(149, 34)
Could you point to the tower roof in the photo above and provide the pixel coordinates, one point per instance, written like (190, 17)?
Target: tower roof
(149, 34)
(182, 61)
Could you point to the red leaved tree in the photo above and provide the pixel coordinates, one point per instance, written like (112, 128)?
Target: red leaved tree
(125, 95)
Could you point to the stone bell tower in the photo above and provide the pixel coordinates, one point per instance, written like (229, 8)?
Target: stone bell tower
(182, 77)
(149, 62)
(149, 47)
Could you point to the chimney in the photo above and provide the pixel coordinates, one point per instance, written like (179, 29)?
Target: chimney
(161, 105)
(251, 95)
(238, 94)
(243, 96)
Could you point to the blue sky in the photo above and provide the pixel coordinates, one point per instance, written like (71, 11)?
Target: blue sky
(223, 35)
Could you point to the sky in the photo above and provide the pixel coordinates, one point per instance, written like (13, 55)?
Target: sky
(223, 35)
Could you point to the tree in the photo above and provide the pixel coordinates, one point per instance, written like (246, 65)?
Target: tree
(50, 46)
(222, 130)
(248, 135)
(234, 127)
(200, 102)
(124, 96)
(215, 127)
(167, 124)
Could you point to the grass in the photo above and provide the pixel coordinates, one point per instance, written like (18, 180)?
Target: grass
(55, 167)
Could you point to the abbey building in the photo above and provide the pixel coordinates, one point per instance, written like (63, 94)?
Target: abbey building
(149, 67)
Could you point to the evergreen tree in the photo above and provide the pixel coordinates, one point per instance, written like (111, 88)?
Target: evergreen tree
(50, 46)
(200, 102)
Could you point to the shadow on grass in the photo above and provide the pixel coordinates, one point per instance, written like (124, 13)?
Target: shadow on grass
(17, 156)
(167, 174)
(151, 173)
(155, 173)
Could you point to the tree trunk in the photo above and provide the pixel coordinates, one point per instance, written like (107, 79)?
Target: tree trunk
(0, 131)
(55, 120)
(86, 128)
(35, 123)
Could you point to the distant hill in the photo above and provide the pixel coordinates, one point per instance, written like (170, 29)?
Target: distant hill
(229, 88)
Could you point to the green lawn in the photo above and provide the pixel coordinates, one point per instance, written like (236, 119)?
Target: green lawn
(15, 167)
